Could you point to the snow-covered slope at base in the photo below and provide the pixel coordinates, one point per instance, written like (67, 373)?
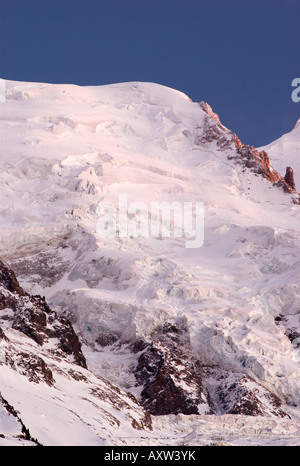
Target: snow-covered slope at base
(72, 413)
(227, 430)
(47, 395)
(11, 429)
(284, 152)
(64, 148)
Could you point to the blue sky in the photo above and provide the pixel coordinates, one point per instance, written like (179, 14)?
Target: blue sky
(240, 56)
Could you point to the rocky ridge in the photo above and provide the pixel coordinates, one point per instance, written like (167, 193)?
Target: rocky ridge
(246, 155)
(174, 381)
(32, 316)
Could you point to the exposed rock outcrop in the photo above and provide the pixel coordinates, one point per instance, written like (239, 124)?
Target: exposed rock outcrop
(32, 316)
(167, 373)
(289, 178)
(245, 155)
(258, 162)
(9, 281)
(31, 365)
(235, 393)
(173, 381)
(23, 434)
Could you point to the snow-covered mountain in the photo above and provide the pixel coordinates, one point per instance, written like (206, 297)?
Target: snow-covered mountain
(180, 335)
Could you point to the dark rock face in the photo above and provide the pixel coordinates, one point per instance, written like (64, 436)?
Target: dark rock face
(171, 384)
(289, 178)
(246, 155)
(9, 281)
(106, 339)
(2, 335)
(212, 129)
(174, 382)
(33, 317)
(290, 331)
(258, 162)
(34, 367)
(235, 393)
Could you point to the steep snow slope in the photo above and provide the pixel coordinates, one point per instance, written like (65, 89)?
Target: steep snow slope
(231, 306)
